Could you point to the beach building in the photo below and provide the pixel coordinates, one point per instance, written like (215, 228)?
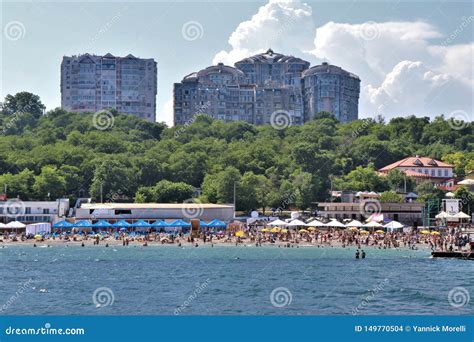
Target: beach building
(154, 211)
(409, 214)
(33, 211)
(424, 169)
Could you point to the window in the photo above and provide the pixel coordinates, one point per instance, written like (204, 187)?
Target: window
(45, 211)
(28, 210)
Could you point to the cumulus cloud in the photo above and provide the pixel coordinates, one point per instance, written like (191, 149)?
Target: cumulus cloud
(283, 25)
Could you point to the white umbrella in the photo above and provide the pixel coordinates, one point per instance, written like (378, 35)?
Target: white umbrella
(441, 215)
(2, 225)
(394, 225)
(354, 223)
(373, 224)
(316, 223)
(467, 182)
(278, 223)
(296, 223)
(450, 194)
(461, 215)
(15, 224)
(335, 223)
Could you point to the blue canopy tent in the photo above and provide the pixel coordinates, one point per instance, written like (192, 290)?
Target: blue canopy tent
(63, 225)
(159, 224)
(216, 224)
(121, 224)
(102, 224)
(82, 224)
(141, 224)
(179, 224)
(202, 223)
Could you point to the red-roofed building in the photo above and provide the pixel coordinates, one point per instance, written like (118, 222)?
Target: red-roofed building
(423, 168)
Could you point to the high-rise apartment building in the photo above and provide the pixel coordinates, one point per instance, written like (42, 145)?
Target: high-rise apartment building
(261, 85)
(90, 83)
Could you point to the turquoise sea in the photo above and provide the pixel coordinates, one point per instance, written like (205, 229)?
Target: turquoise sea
(230, 280)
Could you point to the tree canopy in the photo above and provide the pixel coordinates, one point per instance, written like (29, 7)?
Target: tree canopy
(60, 153)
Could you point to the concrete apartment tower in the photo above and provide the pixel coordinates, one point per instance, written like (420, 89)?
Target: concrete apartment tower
(90, 83)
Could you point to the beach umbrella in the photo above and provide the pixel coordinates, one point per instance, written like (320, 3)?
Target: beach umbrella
(240, 233)
(278, 222)
(354, 229)
(425, 232)
(373, 224)
(284, 231)
(461, 215)
(442, 215)
(450, 195)
(15, 225)
(303, 231)
(63, 224)
(316, 223)
(354, 223)
(364, 232)
(394, 225)
(38, 237)
(296, 223)
(275, 230)
(121, 224)
(435, 233)
(265, 230)
(335, 223)
(202, 223)
(466, 182)
(312, 228)
(380, 231)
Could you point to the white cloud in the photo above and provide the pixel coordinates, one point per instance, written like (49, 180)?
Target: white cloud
(283, 25)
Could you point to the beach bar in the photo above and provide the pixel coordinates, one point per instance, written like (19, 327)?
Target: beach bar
(154, 211)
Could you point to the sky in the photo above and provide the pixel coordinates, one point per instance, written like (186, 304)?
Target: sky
(413, 57)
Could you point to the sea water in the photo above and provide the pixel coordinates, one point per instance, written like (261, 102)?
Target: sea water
(230, 280)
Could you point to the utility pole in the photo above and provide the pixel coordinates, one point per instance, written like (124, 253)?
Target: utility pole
(234, 199)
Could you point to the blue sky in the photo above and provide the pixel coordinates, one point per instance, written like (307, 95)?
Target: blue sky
(412, 57)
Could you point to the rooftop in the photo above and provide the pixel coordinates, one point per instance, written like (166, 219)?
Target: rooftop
(154, 206)
(272, 57)
(416, 161)
(326, 68)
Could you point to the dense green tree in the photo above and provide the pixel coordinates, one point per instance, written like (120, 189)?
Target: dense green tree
(23, 102)
(50, 184)
(390, 197)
